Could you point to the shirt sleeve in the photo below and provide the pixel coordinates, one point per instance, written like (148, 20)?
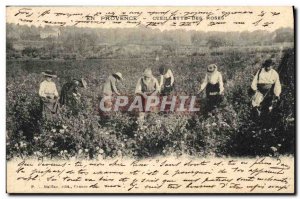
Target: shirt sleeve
(254, 82)
(221, 84)
(42, 90)
(203, 85)
(114, 87)
(157, 87)
(277, 86)
(172, 76)
(138, 88)
(161, 80)
(55, 90)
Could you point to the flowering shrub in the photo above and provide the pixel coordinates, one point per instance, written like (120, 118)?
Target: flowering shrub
(228, 130)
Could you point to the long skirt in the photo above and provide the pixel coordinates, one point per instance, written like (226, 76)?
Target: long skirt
(213, 96)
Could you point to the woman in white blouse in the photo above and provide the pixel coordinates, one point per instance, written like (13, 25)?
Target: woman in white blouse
(48, 93)
(213, 83)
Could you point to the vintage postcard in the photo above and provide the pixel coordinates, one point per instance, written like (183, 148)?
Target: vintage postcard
(190, 100)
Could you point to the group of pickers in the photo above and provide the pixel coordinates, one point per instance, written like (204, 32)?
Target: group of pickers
(265, 86)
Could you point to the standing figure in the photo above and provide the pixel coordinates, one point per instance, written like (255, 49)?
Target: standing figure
(166, 81)
(110, 88)
(48, 93)
(267, 88)
(146, 86)
(70, 96)
(213, 83)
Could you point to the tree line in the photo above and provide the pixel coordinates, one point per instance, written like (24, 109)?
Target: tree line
(70, 36)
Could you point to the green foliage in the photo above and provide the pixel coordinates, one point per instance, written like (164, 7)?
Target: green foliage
(227, 131)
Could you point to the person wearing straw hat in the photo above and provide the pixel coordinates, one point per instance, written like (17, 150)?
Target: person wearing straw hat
(213, 83)
(48, 92)
(70, 95)
(110, 88)
(267, 87)
(146, 86)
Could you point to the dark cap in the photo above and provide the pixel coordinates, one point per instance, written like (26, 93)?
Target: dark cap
(268, 63)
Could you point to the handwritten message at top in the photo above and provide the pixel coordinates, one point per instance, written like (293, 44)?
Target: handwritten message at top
(164, 18)
(159, 175)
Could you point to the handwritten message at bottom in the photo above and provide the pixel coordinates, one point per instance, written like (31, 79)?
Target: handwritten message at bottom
(157, 175)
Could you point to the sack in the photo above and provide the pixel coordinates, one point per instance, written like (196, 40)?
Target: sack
(257, 99)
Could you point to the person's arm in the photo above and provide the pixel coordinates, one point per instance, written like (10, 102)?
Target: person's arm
(156, 85)
(277, 86)
(172, 76)
(138, 88)
(55, 90)
(113, 83)
(42, 90)
(203, 85)
(254, 82)
(221, 84)
(161, 81)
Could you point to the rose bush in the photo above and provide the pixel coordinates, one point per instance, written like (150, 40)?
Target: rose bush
(227, 131)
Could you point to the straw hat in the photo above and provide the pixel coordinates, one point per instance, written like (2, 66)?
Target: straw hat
(49, 73)
(211, 67)
(119, 75)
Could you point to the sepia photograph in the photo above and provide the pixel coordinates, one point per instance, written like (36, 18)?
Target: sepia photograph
(150, 99)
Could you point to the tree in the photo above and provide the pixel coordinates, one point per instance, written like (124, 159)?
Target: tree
(284, 35)
(215, 41)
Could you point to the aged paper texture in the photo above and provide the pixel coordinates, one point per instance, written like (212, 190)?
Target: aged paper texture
(150, 99)
(159, 175)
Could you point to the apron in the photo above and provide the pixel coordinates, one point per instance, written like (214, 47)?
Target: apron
(167, 87)
(212, 89)
(51, 105)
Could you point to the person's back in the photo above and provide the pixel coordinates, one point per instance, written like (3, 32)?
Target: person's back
(65, 91)
(109, 87)
(107, 90)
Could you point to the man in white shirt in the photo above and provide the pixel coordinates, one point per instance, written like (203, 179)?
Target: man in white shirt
(213, 83)
(266, 85)
(48, 93)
